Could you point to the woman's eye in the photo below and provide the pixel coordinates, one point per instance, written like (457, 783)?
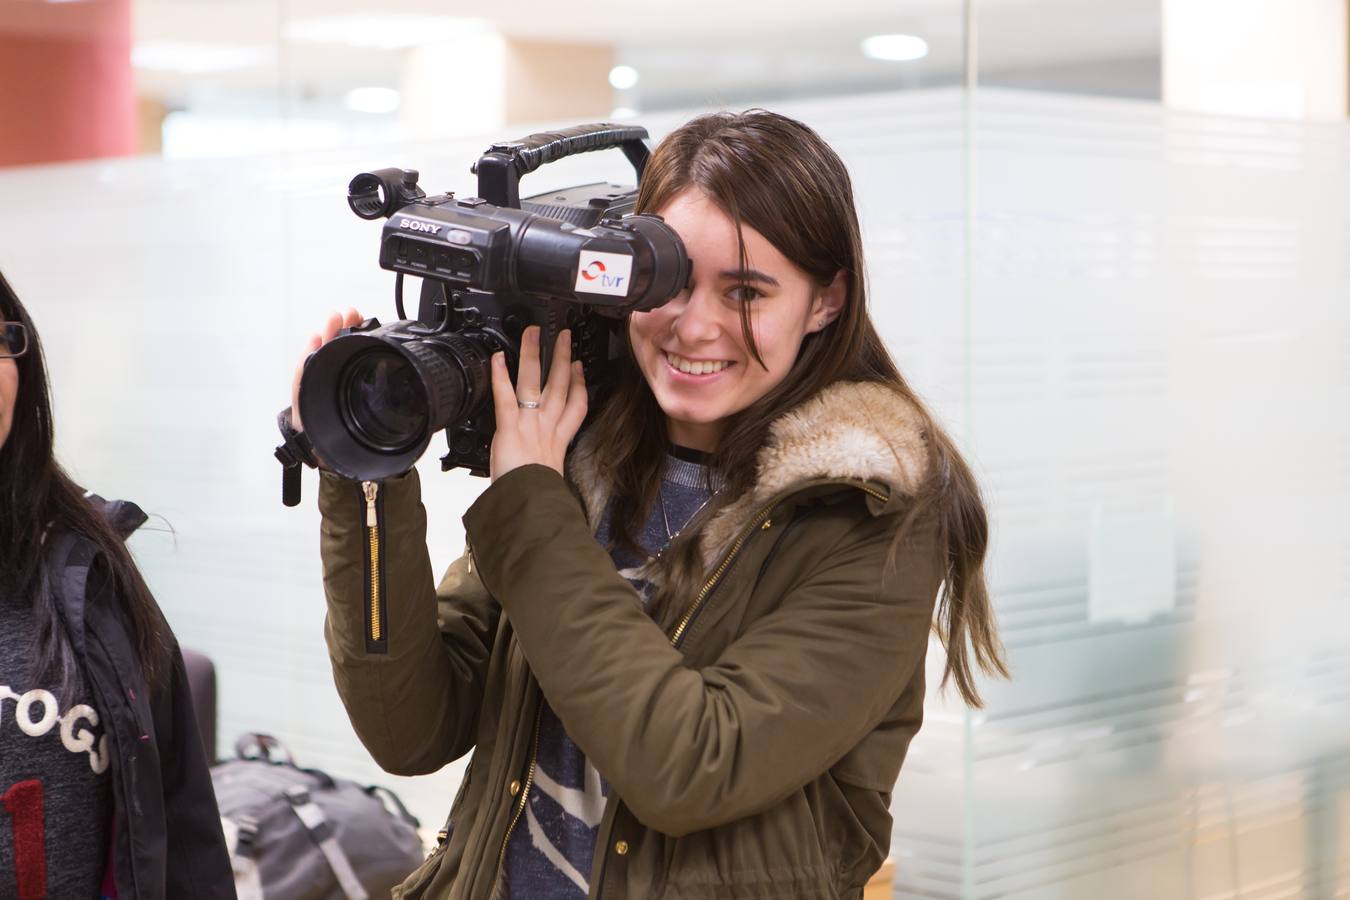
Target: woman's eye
(744, 293)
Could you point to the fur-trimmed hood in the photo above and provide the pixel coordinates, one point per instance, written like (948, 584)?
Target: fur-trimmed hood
(855, 431)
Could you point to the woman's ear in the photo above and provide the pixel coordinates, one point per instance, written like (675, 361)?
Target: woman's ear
(829, 301)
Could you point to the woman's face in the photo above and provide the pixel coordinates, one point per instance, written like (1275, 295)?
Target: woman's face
(692, 351)
(9, 392)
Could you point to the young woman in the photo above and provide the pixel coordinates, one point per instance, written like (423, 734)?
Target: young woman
(102, 775)
(688, 654)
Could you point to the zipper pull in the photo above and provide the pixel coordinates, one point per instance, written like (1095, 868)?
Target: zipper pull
(370, 489)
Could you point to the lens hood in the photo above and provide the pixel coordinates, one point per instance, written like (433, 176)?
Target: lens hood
(370, 401)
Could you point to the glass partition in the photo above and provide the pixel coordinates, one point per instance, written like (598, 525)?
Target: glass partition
(1156, 379)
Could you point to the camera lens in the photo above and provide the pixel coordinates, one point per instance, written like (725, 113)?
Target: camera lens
(371, 400)
(382, 401)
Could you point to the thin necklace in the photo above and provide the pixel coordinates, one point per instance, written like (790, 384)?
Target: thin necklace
(665, 517)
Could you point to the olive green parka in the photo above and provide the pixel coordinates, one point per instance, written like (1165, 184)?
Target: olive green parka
(750, 751)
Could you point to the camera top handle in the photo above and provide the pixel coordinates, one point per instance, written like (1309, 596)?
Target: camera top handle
(499, 170)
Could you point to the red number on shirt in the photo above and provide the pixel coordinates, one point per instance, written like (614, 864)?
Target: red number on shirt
(23, 802)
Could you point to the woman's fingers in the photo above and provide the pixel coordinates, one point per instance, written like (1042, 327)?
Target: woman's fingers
(555, 391)
(536, 435)
(527, 374)
(327, 331)
(310, 346)
(503, 395)
(574, 413)
(331, 326)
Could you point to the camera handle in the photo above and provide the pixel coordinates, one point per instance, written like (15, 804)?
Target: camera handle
(500, 169)
(295, 450)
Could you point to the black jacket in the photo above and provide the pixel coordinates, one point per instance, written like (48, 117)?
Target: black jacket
(167, 838)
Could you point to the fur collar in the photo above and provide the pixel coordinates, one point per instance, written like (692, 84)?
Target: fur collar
(850, 430)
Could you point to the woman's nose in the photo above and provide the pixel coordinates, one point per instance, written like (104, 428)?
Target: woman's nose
(697, 320)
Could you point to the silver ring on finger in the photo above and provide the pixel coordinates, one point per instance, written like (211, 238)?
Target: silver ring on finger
(528, 404)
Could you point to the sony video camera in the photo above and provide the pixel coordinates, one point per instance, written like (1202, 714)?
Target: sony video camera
(490, 266)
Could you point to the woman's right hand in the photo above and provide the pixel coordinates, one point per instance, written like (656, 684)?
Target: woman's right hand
(336, 322)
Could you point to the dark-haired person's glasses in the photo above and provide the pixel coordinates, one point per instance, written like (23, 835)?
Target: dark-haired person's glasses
(13, 340)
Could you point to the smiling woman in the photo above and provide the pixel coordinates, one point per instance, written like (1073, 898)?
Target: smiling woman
(714, 662)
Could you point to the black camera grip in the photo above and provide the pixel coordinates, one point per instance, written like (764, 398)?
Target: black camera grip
(549, 146)
(499, 169)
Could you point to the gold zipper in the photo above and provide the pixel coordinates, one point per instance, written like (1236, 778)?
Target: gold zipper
(756, 523)
(524, 788)
(371, 489)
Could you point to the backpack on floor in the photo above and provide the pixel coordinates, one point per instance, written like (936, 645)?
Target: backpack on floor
(299, 834)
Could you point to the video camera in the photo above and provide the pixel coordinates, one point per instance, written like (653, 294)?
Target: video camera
(490, 266)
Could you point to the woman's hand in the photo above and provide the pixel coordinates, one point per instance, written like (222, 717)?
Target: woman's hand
(538, 433)
(335, 323)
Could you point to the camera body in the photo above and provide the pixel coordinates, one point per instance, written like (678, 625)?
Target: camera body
(490, 266)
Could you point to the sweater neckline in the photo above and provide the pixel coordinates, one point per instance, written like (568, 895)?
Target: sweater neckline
(690, 470)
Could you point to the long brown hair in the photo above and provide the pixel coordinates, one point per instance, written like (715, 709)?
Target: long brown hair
(779, 177)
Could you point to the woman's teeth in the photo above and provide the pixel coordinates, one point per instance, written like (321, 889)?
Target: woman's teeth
(690, 367)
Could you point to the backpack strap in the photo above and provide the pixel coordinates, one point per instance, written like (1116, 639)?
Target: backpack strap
(388, 797)
(65, 578)
(123, 515)
(256, 745)
(241, 840)
(321, 833)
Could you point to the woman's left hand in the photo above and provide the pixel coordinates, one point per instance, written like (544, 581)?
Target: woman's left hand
(535, 426)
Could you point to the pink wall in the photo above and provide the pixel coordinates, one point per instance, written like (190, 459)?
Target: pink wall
(66, 84)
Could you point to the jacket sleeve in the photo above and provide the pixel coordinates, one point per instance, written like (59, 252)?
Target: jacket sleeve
(197, 864)
(415, 704)
(689, 749)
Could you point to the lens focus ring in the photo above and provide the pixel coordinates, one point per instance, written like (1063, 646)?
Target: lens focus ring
(443, 380)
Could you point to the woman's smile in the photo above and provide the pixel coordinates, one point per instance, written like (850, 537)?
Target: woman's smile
(695, 371)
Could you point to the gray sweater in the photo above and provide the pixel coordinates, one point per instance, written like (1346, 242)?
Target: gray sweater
(54, 779)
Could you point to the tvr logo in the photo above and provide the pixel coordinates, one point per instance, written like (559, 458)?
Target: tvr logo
(596, 270)
(604, 273)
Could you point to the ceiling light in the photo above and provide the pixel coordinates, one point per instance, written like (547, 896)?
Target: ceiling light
(895, 47)
(197, 57)
(623, 77)
(372, 100)
(386, 31)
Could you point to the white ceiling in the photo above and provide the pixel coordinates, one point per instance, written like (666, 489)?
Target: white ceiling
(688, 52)
(1067, 28)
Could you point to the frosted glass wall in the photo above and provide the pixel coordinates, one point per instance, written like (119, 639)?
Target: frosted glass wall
(1136, 322)
(1159, 378)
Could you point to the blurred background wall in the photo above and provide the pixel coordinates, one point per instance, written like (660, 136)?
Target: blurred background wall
(1108, 241)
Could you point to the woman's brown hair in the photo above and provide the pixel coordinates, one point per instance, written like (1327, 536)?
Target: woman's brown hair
(779, 177)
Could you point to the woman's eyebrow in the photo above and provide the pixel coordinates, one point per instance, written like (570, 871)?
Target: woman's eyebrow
(748, 275)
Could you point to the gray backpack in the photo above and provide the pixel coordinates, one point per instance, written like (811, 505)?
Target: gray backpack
(298, 834)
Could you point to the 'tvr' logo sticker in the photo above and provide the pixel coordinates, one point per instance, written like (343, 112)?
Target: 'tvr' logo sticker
(604, 273)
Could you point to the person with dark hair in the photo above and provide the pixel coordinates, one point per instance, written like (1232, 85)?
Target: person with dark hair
(103, 777)
(687, 648)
